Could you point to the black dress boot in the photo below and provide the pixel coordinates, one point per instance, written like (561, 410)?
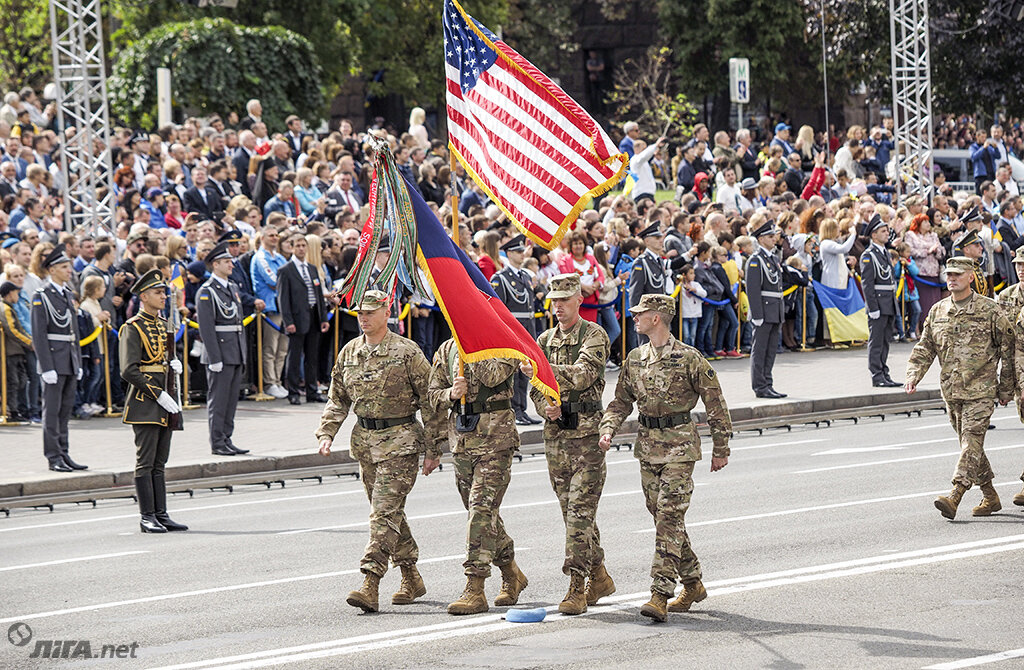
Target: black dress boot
(160, 504)
(144, 490)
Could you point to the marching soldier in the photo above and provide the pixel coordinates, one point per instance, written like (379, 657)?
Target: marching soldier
(219, 312)
(970, 336)
(513, 286)
(767, 310)
(147, 365)
(383, 378)
(665, 378)
(483, 438)
(649, 273)
(577, 350)
(879, 285)
(55, 340)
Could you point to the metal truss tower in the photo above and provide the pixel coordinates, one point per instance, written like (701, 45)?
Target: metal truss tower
(80, 76)
(911, 95)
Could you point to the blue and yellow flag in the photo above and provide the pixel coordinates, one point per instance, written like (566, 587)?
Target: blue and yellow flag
(631, 179)
(177, 280)
(845, 312)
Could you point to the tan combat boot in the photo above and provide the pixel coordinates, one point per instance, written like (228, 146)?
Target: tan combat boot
(947, 504)
(473, 600)
(513, 581)
(656, 607)
(366, 597)
(575, 601)
(1019, 498)
(412, 587)
(693, 592)
(990, 503)
(600, 585)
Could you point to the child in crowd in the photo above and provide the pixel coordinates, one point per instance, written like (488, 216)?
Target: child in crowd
(728, 321)
(691, 303)
(796, 274)
(93, 289)
(17, 343)
(907, 299)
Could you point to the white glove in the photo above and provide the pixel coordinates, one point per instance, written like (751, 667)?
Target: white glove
(49, 377)
(215, 367)
(167, 402)
(79, 375)
(874, 315)
(176, 366)
(757, 322)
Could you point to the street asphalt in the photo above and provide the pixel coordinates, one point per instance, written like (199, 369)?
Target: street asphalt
(821, 549)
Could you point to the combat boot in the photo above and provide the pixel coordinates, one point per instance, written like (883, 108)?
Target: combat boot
(473, 600)
(693, 592)
(1019, 498)
(412, 586)
(600, 585)
(366, 597)
(513, 581)
(947, 504)
(575, 601)
(990, 503)
(656, 607)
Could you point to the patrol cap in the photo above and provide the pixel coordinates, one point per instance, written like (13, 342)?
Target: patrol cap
(152, 279)
(748, 184)
(767, 228)
(135, 237)
(1019, 257)
(658, 302)
(517, 243)
(56, 257)
(230, 236)
(959, 265)
(9, 242)
(568, 285)
(873, 224)
(971, 237)
(653, 230)
(372, 300)
(218, 252)
(973, 214)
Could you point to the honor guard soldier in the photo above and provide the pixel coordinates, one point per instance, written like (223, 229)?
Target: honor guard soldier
(649, 273)
(879, 284)
(514, 289)
(219, 312)
(483, 438)
(767, 310)
(383, 378)
(577, 350)
(149, 367)
(665, 378)
(973, 341)
(972, 247)
(55, 340)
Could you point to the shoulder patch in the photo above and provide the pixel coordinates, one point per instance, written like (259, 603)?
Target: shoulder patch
(710, 372)
(204, 297)
(752, 264)
(37, 302)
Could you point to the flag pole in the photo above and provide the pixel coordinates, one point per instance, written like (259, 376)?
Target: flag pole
(456, 238)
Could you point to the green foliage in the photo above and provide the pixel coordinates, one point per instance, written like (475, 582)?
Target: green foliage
(644, 92)
(216, 66)
(856, 44)
(542, 31)
(25, 58)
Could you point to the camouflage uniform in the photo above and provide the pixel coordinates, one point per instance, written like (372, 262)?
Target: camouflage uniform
(970, 341)
(575, 462)
(388, 381)
(483, 456)
(667, 382)
(1011, 299)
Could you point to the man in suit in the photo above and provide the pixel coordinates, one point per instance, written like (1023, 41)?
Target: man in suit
(764, 289)
(220, 186)
(201, 198)
(648, 275)
(8, 179)
(300, 297)
(341, 195)
(59, 357)
(294, 136)
(219, 312)
(879, 285)
(246, 150)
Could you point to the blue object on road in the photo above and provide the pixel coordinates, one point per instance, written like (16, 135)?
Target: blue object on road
(526, 616)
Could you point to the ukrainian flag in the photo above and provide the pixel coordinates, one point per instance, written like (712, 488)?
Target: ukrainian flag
(631, 179)
(177, 280)
(845, 312)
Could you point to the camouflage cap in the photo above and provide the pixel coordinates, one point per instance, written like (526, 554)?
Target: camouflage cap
(658, 302)
(959, 265)
(1019, 257)
(372, 300)
(568, 285)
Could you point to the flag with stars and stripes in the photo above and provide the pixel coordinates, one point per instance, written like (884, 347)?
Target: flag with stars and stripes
(535, 152)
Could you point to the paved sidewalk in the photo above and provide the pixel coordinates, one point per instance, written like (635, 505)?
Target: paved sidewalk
(280, 436)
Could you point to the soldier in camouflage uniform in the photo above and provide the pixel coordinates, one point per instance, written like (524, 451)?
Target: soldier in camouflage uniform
(665, 378)
(382, 377)
(577, 350)
(970, 336)
(483, 438)
(1011, 299)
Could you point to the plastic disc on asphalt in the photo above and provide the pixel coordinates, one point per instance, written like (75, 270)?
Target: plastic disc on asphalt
(526, 616)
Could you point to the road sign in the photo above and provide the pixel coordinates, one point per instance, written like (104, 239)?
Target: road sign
(739, 80)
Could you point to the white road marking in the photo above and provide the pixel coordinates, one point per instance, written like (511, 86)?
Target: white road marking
(900, 460)
(72, 560)
(768, 446)
(947, 424)
(857, 450)
(491, 623)
(978, 660)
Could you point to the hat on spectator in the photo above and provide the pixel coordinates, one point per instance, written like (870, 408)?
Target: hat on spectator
(779, 127)
(959, 265)
(135, 237)
(372, 300)
(653, 230)
(1019, 255)
(914, 201)
(139, 136)
(9, 242)
(658, 302)
(767, 228)
(748, 184)
(7, 287)
(385, 245)
(197, 269)
(154, 192)
(873, 224)
(152, 279)
(971, 237)
(973, 214)
(56, 257)
(218, 252)
(567, 285)
(517, 243)
(230, 236)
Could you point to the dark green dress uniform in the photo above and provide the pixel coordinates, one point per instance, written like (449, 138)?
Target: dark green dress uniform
(145, 367)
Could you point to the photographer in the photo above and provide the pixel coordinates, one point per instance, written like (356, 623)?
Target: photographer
(984, 158)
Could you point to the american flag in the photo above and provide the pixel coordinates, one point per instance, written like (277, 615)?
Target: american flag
(535, 152)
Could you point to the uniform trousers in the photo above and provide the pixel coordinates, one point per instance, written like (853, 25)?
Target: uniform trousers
(970, 419)
(482, 481)
(152, 448)
(762, 355)
(58, 401)
(880, 332)
(387, 485)
(576, 467)
(221, 402)
(667, 489)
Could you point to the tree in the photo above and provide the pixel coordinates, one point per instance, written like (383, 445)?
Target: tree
(542, 31)
(856, 44)
(216, 66)
(25, 58)
(643, 92)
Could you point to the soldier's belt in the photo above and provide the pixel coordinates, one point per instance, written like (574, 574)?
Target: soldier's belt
(522, 315)
(667, 421)
(771, 294)
(235, 328)
(152, 368)
(54, 337)
(480, 407)
(580, 407)
(381, 424)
